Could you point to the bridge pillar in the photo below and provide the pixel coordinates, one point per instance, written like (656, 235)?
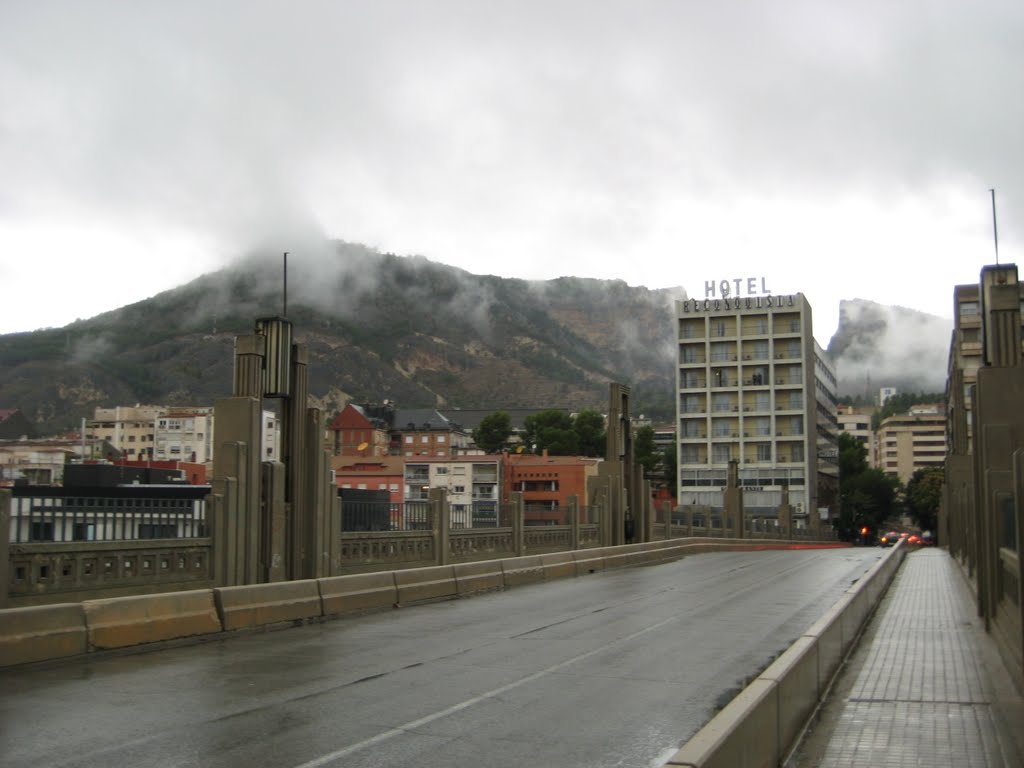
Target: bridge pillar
(574, 521)
(5, 557)
(518, 517)
(440, 512)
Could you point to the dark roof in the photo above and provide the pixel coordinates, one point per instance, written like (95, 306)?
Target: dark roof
(417, 419)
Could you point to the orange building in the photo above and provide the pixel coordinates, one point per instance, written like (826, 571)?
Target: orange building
(547, 483)
(378, 473)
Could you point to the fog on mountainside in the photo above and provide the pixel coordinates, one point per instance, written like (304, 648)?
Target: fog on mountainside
(881, 346)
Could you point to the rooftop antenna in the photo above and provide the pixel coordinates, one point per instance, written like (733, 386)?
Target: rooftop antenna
(285, 312)
(995, 231)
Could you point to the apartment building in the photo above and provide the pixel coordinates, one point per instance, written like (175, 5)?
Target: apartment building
(547, 483)
(183, 434)
(131, 430)
(855, 421)
(754, 387)
(473, 484)
(168, 433)
(911, 441)
(372, 473)
(421, 432)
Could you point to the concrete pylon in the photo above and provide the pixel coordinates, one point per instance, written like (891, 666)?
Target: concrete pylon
(272, 521)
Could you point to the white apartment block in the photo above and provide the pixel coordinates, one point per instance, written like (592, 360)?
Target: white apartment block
(754, 387)
(473, 484)
(182, 434)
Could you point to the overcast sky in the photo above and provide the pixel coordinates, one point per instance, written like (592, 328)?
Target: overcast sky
(840, 149)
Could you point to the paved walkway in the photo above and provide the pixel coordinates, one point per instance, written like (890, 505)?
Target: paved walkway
(925, 686)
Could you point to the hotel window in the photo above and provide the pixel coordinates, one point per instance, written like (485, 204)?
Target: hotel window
(721, 352)
(764, 452)
(720, 377)
(759, 350)
(968, 308)
(721, 403)
(797, 452)
(690, 355)
(688, 454)
(720, 454)
(691, 428)
(442, 470)
(691, 404)
(718, 328)
(721, 428)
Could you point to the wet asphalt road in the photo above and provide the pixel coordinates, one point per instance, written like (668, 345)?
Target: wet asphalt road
(612, 669)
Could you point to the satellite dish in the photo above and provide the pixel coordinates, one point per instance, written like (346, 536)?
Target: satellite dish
(362, 446)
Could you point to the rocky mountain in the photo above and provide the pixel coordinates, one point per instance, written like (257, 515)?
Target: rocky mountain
(882, 346)
(419, 333)
(376, 325)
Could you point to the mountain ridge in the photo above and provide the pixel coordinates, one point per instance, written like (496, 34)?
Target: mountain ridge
(377, 326)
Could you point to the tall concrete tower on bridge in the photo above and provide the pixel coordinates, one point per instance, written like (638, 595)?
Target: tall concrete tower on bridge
(275, 520)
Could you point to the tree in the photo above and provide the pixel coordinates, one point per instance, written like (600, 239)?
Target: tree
(589, 427)
(493, 432)
(645, 452)
(924, 494)
(867, 496)
(547, 430)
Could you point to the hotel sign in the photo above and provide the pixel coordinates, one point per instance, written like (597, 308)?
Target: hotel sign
(734, 287)
(744, 302)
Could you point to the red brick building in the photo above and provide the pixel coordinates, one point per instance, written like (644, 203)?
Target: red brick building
(547, 483)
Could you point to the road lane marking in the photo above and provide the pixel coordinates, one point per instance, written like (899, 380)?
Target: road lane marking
(413, 724)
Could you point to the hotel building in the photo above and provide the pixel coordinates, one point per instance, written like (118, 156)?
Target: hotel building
(754, 387)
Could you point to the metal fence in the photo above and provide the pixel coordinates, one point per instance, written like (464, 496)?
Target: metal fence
(386, 516)
(70, 518)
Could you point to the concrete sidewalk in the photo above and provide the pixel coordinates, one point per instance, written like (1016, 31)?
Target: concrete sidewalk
(925, 686)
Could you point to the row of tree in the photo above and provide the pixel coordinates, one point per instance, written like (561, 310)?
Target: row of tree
(584, 434)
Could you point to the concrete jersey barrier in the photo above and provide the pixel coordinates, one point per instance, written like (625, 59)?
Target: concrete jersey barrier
(118, 622)
(358, 592)
(261, 604)
(42, 632)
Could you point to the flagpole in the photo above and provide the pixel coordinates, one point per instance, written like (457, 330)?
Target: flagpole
(995, 230)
